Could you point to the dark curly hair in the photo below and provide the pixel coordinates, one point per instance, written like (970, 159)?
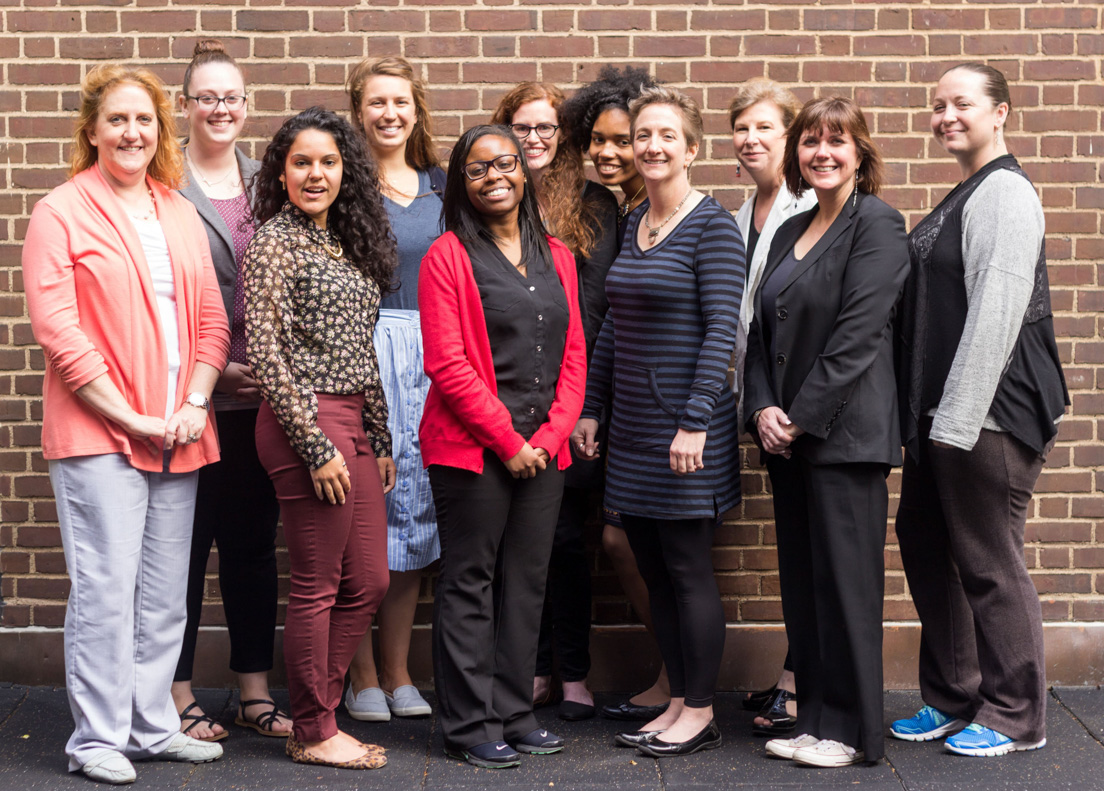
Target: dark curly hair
(614, 88)
(357, 216)
(460, 217)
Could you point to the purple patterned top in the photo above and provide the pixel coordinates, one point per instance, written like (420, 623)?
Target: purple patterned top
(235, 213)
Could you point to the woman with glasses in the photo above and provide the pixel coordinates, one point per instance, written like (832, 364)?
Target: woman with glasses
(583, 215)
(388, 106)
(235, 506)
(506, 356)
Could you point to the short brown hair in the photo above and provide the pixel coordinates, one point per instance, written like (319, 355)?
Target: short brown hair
(421, 151)
(692, 126)
(763, 90)
(167, 165)
(837, 114)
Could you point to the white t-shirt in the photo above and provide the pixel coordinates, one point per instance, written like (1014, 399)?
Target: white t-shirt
(156, 249)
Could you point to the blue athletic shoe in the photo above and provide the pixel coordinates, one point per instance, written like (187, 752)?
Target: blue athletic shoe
(925, 725)
(977, 740)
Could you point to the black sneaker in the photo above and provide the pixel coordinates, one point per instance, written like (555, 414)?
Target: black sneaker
(489, 755)
(539, 742)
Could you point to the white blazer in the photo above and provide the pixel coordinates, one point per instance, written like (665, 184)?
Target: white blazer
(785, 206)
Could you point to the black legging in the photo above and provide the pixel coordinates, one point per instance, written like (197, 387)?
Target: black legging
(236, 508)
(675, 560)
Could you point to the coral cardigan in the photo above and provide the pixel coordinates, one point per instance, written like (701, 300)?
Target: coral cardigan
(463, 414)
(94, 311)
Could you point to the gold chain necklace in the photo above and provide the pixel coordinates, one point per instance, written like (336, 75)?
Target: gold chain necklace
(334, 253)
(212, 184)
(626, 207)
(653, 233)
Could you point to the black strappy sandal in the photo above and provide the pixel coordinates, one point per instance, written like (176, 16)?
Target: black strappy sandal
(774, 712)
(199, 719)
(263, 723)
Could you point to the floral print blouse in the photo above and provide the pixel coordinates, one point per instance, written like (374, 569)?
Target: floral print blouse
(309, 321)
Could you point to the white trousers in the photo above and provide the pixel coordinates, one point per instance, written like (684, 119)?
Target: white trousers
(127, 539)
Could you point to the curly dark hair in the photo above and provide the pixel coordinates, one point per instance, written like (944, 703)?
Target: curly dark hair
(460, 217)
(357, 216)
(613, 88)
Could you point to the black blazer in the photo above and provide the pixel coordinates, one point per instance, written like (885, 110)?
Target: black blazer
(833, 369)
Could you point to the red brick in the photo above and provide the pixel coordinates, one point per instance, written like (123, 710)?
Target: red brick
(387, 20)
(839, 19)
(500, 20)
(617, 20)
(270, 20)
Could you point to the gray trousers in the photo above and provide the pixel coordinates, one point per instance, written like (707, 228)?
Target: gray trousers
(127, 536)
(960, 525)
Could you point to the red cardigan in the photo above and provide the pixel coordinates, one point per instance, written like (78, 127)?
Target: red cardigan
(463, 414)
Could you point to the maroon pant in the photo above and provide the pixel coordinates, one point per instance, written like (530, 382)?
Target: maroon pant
(338, 557)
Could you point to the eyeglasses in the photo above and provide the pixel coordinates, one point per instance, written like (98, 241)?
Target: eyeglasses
(503, 163)
(544, 131)
(232, 102)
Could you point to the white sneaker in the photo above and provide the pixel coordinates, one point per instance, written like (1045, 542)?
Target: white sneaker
(784, 748)
(185, 748)
(109, 766)
(828, 753)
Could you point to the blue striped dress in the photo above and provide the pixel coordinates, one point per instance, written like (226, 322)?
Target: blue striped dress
(661, 362)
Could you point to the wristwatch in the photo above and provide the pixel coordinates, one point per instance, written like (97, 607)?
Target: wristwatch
(199, 400)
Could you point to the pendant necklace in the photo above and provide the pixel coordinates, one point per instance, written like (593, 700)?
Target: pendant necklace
(653, 233)
(623, 212)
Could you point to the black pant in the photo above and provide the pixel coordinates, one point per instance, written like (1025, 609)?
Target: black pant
(236, 508)
(675, 559)
(961, 529)
(565, 622)
(496, 535)
(831, 526)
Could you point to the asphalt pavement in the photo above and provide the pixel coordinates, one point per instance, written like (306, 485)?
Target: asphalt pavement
(35, 723)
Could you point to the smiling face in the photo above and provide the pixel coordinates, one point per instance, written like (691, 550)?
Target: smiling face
(312, 173)
(611, 150)
(538, 152)
(660, 148)
(219, 126)
(759, 136)
(125, 134)
(964, 119)
(387, 113)
(496, 195)
(828, 160)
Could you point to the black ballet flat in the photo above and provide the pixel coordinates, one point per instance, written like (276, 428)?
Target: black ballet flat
(571, 711)
(708, 739)
(774, 711)
(634, 738)
(629, 712)
(754, 701)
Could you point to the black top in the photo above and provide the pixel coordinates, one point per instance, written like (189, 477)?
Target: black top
(527, 327)
(769, 292)
(592, 268)
(753, 236)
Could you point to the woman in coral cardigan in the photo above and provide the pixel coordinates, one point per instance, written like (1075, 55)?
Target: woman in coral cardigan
(124, 300)
(505, 354)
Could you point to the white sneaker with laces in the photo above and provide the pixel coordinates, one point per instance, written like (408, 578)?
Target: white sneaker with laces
(828, 753)
(784, 748)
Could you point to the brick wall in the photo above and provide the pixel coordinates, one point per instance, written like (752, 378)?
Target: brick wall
(886, 56)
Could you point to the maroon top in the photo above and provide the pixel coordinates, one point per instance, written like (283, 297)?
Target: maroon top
(235, 213)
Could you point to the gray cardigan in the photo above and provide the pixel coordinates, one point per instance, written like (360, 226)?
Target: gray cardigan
(218, 234)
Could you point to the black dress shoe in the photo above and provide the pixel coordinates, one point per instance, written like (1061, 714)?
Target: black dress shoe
(755, 701)
(708, 739)
(573, 712)
(774, 711)
(629, 712)
(538, 742)
(634, 738)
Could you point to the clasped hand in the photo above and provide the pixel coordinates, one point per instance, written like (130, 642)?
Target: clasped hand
(776, 431)
(528, 461)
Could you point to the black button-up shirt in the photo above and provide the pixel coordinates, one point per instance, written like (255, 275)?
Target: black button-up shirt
(526, 319)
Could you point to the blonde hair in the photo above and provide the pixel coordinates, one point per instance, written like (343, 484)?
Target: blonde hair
(421, 152)
(763, 90)
(692, 126)
(573, 220)
(167, 165)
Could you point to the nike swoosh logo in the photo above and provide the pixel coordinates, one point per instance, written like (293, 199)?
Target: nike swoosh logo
(501, 747)
(544, 734)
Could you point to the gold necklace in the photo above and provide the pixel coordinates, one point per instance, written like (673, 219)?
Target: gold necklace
(334, 254)
(653, 233)
(212, 184)
(626, 207)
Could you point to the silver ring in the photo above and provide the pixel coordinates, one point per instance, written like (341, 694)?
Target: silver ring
(192, 438)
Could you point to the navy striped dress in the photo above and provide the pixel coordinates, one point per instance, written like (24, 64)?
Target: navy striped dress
(661, 362)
